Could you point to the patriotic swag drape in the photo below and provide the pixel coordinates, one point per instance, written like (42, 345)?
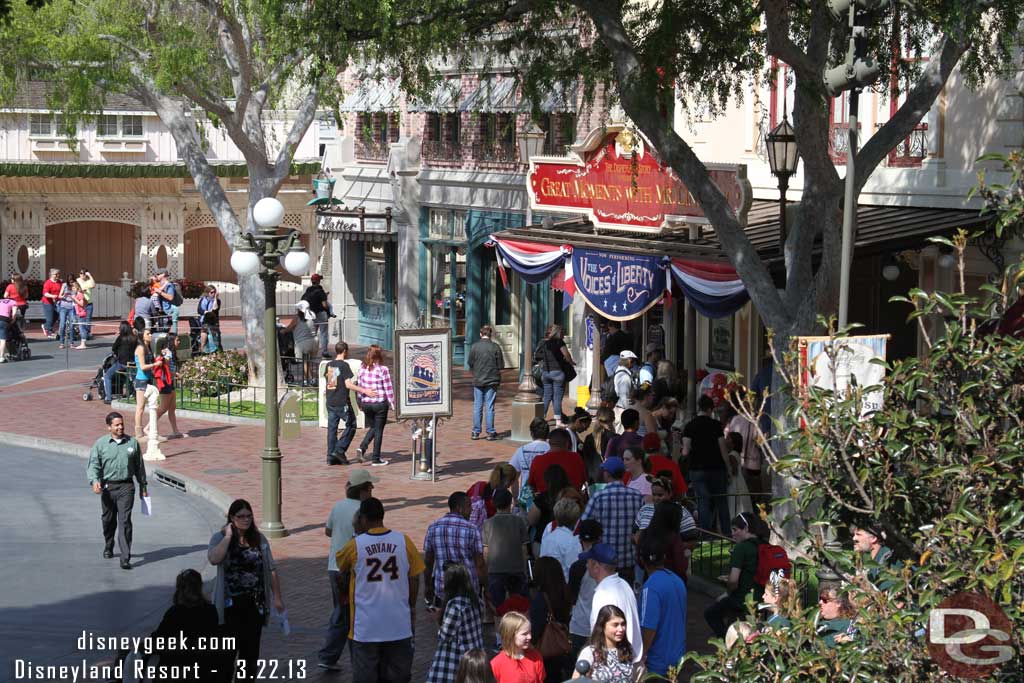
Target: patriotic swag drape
(620, 285)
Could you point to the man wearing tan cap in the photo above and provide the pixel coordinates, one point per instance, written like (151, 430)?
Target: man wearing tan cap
(339, 529)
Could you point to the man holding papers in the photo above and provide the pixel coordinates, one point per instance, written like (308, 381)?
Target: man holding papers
(115, 462)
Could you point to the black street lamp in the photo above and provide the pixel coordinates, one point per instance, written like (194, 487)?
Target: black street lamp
(263, 251)
(783, 158)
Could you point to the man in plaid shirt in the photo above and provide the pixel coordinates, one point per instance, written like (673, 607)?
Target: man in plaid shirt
(615, 507)
(453, 538)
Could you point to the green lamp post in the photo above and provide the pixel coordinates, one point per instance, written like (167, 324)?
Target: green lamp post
(262, 251)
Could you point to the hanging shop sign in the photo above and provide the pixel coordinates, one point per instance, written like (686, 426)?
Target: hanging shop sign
(618, 285)
(621, 184)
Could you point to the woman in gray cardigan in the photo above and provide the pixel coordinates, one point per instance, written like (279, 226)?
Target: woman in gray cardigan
(247, 584)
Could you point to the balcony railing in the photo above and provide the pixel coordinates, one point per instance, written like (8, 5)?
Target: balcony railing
(912, 150)
(839, 141)
(372, 150)
(441, 150)
(497, 152)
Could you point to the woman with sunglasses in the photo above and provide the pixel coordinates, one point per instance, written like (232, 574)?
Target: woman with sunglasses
(247, 585)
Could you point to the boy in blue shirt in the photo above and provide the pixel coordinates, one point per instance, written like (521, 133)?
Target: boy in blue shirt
(662, 609)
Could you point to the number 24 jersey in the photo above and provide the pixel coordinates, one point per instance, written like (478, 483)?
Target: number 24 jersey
(380, 563)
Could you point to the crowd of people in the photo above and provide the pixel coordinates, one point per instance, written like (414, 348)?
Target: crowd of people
(577, 550)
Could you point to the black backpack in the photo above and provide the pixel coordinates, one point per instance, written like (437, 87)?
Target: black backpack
(608, 393)
(177, 299)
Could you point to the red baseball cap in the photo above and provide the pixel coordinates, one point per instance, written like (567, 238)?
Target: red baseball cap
(316, 277)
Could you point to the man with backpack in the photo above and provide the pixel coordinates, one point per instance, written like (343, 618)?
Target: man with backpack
(170, 297)
(618, 390)
(318, 306)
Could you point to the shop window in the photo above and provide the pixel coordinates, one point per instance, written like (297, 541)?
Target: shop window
(441, 137)
(448, 289)
(374, 282)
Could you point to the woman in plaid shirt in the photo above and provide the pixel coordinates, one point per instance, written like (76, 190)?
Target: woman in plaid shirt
(374, 376)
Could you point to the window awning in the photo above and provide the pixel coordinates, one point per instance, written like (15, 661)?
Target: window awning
(495, 96)
(444, 98)
(372, 96)
(561, 99)
(140, 169)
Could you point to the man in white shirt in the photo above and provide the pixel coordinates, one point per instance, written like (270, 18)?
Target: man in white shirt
(612, 590)
(339, 530)
(524, 455)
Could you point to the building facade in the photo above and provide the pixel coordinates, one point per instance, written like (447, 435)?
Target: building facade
(112, 195)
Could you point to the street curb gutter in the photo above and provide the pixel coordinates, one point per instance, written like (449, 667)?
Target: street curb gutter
(163, 475)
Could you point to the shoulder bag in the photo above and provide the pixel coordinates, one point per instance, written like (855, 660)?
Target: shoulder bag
(555, 640)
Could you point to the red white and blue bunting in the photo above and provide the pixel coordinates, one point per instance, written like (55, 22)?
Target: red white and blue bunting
(534, 262)
(714, 289)
(619, 285)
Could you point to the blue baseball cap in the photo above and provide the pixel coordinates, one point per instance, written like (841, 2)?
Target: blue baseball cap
(601, 552)
(614, 465)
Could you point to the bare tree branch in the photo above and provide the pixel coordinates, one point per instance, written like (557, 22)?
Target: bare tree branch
(236, 53)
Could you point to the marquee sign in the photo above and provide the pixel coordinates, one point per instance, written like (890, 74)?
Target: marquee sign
(620, 184)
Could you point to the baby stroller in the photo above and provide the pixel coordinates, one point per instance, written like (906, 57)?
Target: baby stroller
(286, 352)
(117, 384)
(195, 330)
(17, 342)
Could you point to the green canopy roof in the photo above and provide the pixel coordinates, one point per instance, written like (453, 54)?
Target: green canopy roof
(141, 169)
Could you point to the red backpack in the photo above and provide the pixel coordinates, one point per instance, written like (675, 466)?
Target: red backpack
(771, 558)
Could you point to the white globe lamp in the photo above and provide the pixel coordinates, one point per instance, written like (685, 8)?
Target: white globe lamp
(245, 262)
(295, 261)
(268, 212)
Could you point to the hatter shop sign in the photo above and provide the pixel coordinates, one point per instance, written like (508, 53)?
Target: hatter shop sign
(619, 183)
(620, 286)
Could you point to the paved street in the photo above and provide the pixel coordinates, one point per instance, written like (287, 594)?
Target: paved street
(227, 457)
(55, 582)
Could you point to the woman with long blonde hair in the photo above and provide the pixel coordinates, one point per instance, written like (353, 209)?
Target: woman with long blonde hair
(374, 376)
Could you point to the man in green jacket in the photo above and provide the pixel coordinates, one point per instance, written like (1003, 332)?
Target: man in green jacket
(115, 462)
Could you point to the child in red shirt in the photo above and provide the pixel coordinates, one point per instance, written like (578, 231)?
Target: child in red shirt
(517, 662)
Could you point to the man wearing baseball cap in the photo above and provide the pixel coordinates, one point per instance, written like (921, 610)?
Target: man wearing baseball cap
(318, 306)
(613, 590)
(615, 507)
(339, 530)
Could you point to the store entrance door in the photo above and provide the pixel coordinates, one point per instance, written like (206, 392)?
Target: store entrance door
(504, 314)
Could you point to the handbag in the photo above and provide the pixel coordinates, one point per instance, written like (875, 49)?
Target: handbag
(555, 640)
(538, 375)
(567, 368)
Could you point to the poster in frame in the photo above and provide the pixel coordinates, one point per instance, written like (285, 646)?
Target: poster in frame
(722, 343)
(423, 373)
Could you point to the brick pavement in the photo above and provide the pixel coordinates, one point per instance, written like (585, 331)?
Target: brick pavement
(227, 457)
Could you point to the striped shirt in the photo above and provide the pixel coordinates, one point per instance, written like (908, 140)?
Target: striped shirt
(646, 514)
(378, 379)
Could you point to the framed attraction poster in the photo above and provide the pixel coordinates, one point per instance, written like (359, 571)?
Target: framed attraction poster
(423, 373)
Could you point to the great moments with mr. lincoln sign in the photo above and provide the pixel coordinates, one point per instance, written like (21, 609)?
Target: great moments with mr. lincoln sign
(620, 184)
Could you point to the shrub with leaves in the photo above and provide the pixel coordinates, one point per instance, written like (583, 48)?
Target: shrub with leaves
(937, 471)
(191, 289)
(215, 373)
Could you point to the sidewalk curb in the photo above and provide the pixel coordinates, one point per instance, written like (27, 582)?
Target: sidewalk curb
(161, 474)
